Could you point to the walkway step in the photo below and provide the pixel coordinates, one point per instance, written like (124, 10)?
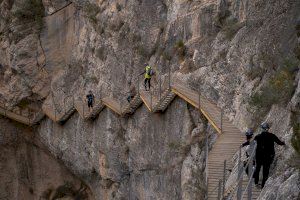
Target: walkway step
(113, 105)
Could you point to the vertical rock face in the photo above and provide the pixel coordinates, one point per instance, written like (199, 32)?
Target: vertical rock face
(243, 55)
(28, 171)
(142, 156)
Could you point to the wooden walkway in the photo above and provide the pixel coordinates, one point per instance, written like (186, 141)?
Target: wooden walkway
(229, 137)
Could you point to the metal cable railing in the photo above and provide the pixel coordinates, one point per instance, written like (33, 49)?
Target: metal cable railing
(237, 189)
(221, 190)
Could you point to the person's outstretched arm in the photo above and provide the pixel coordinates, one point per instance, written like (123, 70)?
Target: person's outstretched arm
(143, 73)
(278, 141)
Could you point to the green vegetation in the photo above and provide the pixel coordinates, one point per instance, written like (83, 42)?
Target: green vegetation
(176, 146)
(119, 7)
(101, 54)
(91, 10)
(92, 79)
(64, 190)
(24, 103)
(30, 11)
(278, 89)
(297, 52)
(180, 49)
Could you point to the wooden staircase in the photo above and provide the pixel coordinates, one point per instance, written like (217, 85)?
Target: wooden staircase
(228, 142)
(156, 103)
(226, 145)
(58, 116)
(134, 104)
(84, 110)
(28, 120)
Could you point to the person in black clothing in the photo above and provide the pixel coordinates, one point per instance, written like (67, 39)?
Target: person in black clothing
(249, 135)
(90, 99)
(265, 152)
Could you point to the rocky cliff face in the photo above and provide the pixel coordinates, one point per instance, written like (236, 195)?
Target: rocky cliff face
(243, 55)
(29, 171)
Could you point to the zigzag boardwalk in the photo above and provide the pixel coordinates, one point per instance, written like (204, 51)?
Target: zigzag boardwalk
(84, 110)
(15, 116)
(28, 119)
(226, 145)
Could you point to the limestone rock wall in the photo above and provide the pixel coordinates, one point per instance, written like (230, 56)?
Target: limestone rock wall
(29, 171)
(243, 55)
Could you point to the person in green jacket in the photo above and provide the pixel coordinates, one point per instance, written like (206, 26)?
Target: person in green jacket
(148, 75)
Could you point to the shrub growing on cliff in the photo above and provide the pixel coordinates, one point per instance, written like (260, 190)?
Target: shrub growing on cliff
(278, 89)
(30, 11)
(180, 49)
(91, 11)
(296, 137)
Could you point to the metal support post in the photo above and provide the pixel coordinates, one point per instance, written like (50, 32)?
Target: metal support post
(150, 99)
(206, 156)
(239, 178)
(65, 105)
(199, 101)
(224, 179)
(138, 85)
(83, 108)
(159, 88)
(169, 77)
(54, 112)
(219, 189)
(221, 121)
(250, 171)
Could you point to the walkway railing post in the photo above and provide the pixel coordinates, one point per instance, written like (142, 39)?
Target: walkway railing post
(5, 109)
(150, 99)
(83, 103)
(221, 121)
(169, 77)
(206, 160)
(54, 112)
(206, 156)
(65, 105)
(159, 88)
(73, 101)
(219, 189)
(199, 101)
(139, 85)
(224, 179)
(121, 108)
(240, 173)
(250, 170)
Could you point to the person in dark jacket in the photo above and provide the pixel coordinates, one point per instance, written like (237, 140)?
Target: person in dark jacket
(131, 94)
(90, 99)
(246, 145)
(265, 152)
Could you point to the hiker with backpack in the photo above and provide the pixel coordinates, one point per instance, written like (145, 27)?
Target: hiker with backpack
(148, 75)
(90, 99)
(265, 152)
(246, 146)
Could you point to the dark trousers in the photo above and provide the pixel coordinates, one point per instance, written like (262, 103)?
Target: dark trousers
(90, 103)
(147, 80)
(265, 163)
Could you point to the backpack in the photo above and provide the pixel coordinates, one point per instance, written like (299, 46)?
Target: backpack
(150, 72)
